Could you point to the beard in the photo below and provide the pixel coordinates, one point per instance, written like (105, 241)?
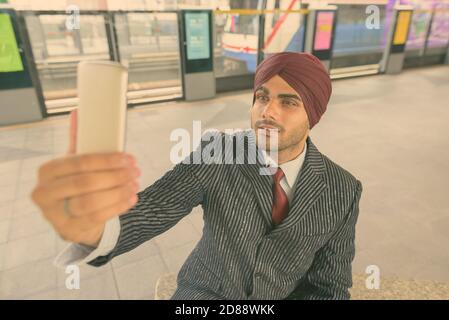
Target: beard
(285, 140)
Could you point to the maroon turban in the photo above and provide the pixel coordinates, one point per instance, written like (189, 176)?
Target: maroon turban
(303, 72)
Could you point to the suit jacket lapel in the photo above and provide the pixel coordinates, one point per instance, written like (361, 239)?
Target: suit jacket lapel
(262, 188)
(261, 184)
(308, 187)
(307, 190)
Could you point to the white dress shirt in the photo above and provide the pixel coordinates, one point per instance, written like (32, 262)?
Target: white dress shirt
(291, 171)
(81, 254)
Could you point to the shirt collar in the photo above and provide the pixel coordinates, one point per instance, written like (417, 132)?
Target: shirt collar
(291, 168)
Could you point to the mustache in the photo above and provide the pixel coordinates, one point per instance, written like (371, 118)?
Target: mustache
(269, 123)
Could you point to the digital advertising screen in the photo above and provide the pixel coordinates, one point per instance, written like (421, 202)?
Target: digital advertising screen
(402, 25)
(323, 33)
(197, 34)
(10, 60)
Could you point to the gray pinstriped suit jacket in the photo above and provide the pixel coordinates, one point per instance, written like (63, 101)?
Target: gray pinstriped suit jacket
(241, 255)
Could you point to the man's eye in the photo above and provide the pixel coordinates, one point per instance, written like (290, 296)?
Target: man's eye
(262, 97)
(290, 103)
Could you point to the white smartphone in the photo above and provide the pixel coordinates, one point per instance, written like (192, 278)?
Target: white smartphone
(102, 87)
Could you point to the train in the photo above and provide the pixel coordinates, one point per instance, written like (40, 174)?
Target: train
(284, 31)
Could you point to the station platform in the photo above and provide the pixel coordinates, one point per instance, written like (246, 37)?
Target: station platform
(390, 131)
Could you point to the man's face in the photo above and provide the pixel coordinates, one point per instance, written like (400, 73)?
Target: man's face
(279, 106)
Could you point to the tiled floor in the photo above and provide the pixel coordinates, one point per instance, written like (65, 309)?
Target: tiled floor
(392, 132)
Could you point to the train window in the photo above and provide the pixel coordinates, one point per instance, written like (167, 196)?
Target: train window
(244, 4)
(243, 23)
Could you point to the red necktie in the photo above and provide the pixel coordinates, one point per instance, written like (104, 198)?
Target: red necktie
(280, 200)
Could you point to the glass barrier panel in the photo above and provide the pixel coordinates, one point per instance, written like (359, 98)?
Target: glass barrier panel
(284, 30)
(149, 44)
(438, 39)
(93, 35)
(236, 44)
(355, 44)
(58, 50)
(417, 33)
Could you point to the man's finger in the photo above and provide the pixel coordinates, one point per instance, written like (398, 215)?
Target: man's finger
(103, 215)
(97, 201)
(84, 164)
(81, 184)
(73, 224)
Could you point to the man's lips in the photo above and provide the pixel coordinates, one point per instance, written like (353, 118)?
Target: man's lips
(266, 126)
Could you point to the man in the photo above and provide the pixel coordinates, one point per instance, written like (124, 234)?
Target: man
(284, 236)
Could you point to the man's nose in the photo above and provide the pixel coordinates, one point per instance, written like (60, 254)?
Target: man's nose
(270, 110)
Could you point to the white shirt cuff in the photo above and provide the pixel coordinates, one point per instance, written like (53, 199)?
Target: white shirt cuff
(78, 254)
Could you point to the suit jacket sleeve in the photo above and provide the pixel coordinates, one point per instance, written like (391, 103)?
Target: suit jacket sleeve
(160, 207)
(330, 275)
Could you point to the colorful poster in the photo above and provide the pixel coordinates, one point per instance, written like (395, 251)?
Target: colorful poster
(323, 32)
(197, 33)
(418, 29)
(10, 60)
(439, 30)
